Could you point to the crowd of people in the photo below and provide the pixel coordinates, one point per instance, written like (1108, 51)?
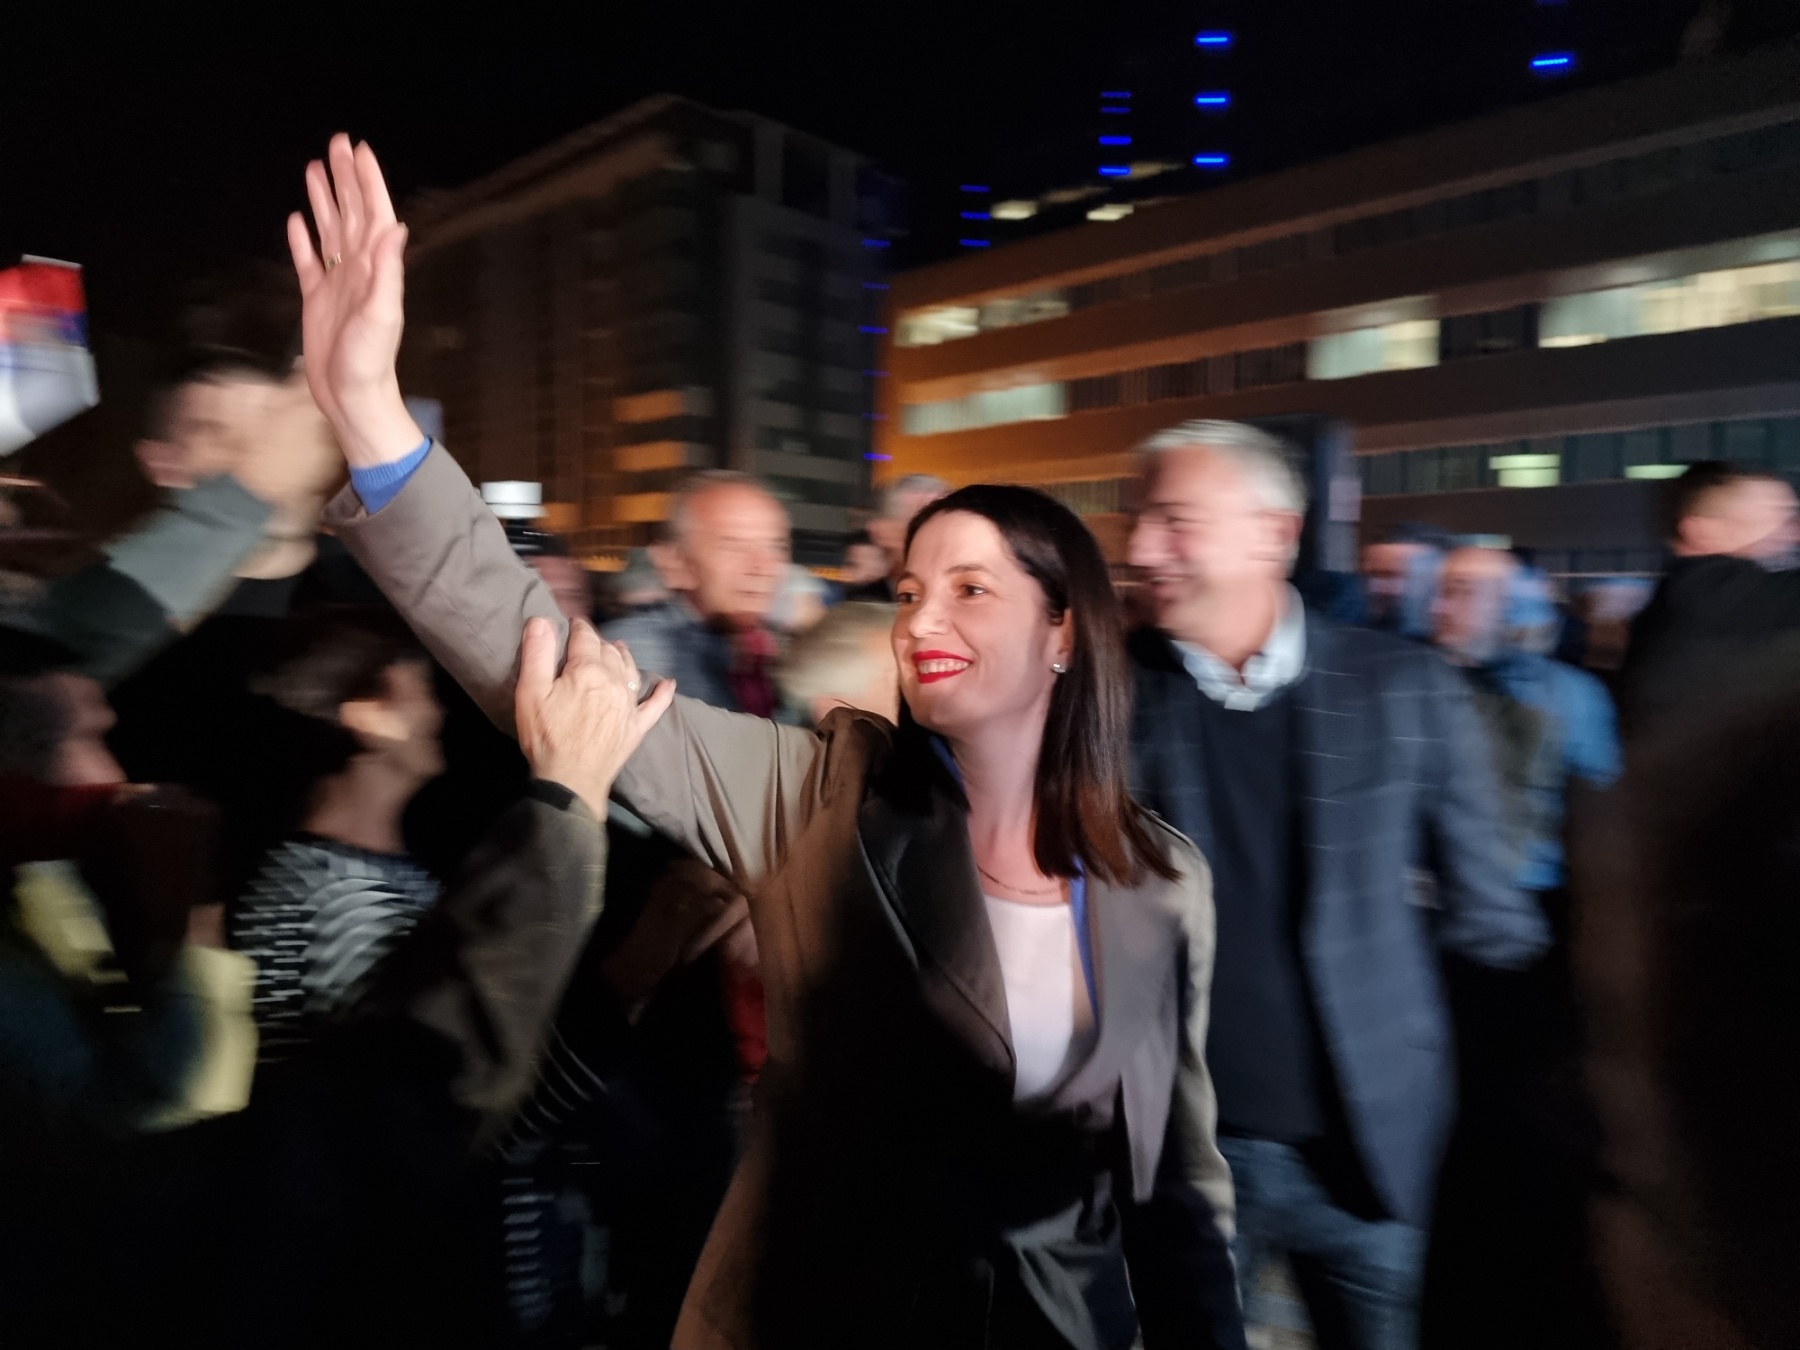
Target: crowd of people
(415, 939)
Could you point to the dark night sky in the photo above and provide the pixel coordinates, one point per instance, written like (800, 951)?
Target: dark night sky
(155, 149)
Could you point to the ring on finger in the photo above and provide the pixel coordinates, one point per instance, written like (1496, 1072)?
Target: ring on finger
(333, 261)
(632, 685)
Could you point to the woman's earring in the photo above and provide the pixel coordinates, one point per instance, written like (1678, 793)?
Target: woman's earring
(1059, 668)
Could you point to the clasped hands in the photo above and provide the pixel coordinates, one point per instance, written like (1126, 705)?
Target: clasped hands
(578, 728)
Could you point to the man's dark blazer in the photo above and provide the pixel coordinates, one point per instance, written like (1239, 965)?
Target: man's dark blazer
(1396, 776)
(1708, 624)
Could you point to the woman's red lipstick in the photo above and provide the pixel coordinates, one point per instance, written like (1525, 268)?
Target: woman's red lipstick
(943, 672)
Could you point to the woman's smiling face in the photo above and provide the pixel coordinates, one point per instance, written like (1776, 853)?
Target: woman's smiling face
(973, 638)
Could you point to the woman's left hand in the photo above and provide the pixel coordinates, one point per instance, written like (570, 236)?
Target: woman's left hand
(352, 290)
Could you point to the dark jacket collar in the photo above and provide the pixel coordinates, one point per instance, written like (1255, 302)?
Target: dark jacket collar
(915, 835)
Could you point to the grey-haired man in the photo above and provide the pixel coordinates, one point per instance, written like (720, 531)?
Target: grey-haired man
(1318, 768)
(900, 501)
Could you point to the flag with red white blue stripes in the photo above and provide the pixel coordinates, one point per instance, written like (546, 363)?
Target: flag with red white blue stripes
(46, 372)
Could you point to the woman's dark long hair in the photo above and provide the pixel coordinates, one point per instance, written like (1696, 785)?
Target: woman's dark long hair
(1085, 818)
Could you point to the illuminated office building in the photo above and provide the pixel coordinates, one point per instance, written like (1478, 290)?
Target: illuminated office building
(1524, 321)
(670, 289)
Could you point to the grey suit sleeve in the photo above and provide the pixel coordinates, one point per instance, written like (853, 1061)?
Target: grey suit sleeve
(440, 555)
(732, 788)
(184, 555)
(156, 581)
(1486, 917)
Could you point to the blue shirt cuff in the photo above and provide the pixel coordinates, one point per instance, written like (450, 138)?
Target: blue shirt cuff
(379, 484)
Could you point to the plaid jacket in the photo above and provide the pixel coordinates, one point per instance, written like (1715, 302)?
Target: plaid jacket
(1397, 776)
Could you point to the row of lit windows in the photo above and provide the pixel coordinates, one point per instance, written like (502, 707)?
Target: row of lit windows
(1224, 374)
(1595, 457)
(1703, 300)
(1616, 180)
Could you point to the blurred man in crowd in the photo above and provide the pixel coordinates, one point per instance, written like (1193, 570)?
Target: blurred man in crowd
(1511, 1261)
(1494, 619)
(1687, 955)
(1400, 572)
(900, 501)
(725, 560)
(1728, 590)
(800, 602)
(865, 562)
(1316, 767)
(547, 555)
(225, 416)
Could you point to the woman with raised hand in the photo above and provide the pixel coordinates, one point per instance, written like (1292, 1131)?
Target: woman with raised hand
(985, 1118)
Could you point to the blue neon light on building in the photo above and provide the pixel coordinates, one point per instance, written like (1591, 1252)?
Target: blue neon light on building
(875, 285)
(1115, 140)
(1220, 100)
(969, 187)
(1212, 39)
(1115, 170)
(871, 329)
(1115, 110)
(973, 243)
(875, 243)
(977, 215)
(1124, 94)
(1213, 161)
(1553, 63)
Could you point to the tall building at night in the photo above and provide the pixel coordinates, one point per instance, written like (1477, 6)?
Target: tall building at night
(1574, 297)
(670, 289)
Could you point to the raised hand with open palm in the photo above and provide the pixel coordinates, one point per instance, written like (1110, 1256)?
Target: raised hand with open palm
(352, 289)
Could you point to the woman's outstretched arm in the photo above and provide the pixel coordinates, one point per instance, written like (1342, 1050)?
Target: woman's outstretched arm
(726, 786)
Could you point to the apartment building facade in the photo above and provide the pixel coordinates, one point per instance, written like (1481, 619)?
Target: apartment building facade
(671, 289)
(1522, 322)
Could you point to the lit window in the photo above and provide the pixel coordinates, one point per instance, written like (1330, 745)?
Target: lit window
(1655, 470)
(946, 323)
(989, 408)
(1010, 311)
(1111, 211)
(1408, 345)
(949, 323)
(1705, 300)
(1017, 210)
(1527, 471)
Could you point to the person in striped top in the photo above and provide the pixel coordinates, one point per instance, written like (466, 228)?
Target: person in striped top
(359, 730)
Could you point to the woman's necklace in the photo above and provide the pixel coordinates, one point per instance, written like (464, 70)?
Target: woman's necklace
(1016, 890)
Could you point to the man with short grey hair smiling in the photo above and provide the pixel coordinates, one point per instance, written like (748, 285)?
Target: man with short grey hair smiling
(1317, 767)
